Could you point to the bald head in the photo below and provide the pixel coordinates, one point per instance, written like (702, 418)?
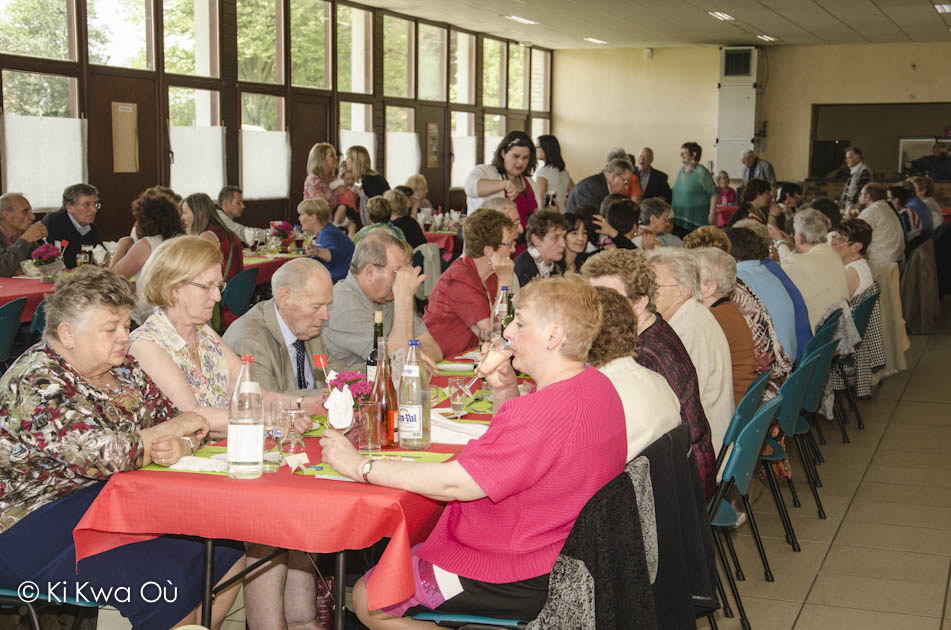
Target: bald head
(303, 291)
(16, 215)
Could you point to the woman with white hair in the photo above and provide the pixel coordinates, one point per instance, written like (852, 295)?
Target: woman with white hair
(678, 301)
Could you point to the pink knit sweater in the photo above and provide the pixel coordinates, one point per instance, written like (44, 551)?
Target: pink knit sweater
(543, 457)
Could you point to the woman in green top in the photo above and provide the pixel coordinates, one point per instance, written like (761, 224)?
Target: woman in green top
(695, 192)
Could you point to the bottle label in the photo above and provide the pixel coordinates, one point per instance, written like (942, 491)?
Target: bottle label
(411, 369)
(411, 422)
(245, 443)
(249, 387)
(371, 373)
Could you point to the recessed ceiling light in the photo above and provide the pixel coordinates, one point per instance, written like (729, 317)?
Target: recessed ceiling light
(943, 8)
(594, 41)
(766, 38)
(520, 20)
(720, 15)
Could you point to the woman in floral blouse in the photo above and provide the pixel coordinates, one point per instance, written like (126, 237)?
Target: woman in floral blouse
(74, 409)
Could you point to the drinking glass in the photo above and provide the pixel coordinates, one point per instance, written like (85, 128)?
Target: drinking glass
(434, 392)
(82, 258)
(273, 245)
(457, 395)
(87, 252)
(272, 438)
(366, 431)
(288, 412)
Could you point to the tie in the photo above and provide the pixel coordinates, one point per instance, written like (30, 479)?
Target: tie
(301, 364)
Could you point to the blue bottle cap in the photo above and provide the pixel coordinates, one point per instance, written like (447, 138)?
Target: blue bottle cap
(414, 342)
(505, 288)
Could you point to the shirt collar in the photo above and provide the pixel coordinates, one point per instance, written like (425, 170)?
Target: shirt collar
(8, 238)
(855, 169)
(544, 269)
(82, 229)
(289, 337)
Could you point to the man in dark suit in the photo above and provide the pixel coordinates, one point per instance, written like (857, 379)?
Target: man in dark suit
(591, 190)
(75, 221)
(653, 182)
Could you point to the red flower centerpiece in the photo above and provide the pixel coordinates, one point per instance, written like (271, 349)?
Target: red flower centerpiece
(45, 262)
(360, 388)
(284, 231)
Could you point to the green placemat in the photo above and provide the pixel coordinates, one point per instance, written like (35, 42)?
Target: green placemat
(205, 451)
(317, 431)
(323, 470)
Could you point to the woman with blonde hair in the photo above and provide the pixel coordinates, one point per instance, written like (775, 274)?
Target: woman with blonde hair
(400, 217)
(372, 184)
(420, 187)
(321, 181)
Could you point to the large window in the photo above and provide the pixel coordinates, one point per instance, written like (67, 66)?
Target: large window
(191, 37)
(540, 127)
(493, 73)
(356, 128)
(197, 140)
(260, 41)
(402, 144)
(120, 33)
(462, 67)
(432, 63)
(310, 43)
(398, 49)
(463, 147)
(354, 50)
(39, 28)
(265, 150)
(492, 134)
(518, 77)
(541, 80)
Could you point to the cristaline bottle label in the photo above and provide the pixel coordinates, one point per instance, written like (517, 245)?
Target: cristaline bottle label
(245, 443)
(411, 421)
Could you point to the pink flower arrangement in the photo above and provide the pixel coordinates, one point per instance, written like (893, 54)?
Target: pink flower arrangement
(360, 388)
(45, 254)
(283, 229)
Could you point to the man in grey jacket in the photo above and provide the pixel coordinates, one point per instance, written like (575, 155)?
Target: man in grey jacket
(19, 232)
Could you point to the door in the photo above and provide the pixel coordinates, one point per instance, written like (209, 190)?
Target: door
(309, 124)
(434, 142)
(123, 149)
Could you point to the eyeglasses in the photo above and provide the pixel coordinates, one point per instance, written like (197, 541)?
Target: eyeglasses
(90, 204)
(507, 244)
(208, 287)
(393, 271)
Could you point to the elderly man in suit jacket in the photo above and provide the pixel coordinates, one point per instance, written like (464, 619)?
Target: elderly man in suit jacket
(653, 182)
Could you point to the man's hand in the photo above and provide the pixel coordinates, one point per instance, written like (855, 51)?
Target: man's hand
(406, 281)
(34, 233)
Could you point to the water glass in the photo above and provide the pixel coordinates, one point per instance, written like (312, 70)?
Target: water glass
(457, 395)
(272, 438)
(288, 412)
(367, 429)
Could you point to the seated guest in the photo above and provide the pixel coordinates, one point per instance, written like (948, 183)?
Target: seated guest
(332, 246)
(814, 267)
(74, 409)
(283, 333)
(157, 219)
(509, 209)
(754, 202)
(399, 203)
(786, 314)
(621, 223)
(207, 224)
(591, 190)
(924, 190)
(678, 301)
(850, 239)
(75, 221)
(525, 464)
(658, 346)
(176, 346)
(657, 219)
(19, 232)
(898, 198)
(230, 209)
(919, 206)
(576, 242)
(380, 278)
(707, 236)
(379, 210)
(717, 283)
(459, 312)
(727, 196)
(544, 257)
(888, 236)
(790, 198)
(420, 189)
(651, 408)
(827, 207)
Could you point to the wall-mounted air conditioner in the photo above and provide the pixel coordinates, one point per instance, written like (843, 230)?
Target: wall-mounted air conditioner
(738, 65)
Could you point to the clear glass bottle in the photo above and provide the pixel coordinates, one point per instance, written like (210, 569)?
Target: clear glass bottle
(500, 312)
(414, 425)
(246, 425)
(375, 353)
(510, 315)
(385, 393)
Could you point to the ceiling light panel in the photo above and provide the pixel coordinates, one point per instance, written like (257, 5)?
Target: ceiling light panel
(943, 8)
(766, 38)
(520, 20)
(720, 15)
(594, 40)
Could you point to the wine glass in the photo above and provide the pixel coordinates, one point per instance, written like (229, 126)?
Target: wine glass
(457, 395)
(288, 413)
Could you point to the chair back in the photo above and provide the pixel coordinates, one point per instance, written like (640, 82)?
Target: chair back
(237, 295)
(817, 382)
(824, 334)
(431, 257)
(9, 323)
(793, 391)
(38, 323)
(862, 313)
(743, 414)
(745, 455)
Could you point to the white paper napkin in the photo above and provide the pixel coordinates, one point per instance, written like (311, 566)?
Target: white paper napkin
(445, 431)
(340, 408)
(200, 464)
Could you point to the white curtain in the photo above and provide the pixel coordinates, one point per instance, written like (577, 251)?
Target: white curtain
(464, 159)
(42, 156)
(265, 164)
(349, 138)
(402, 156)
(199, 159)
(491, 144)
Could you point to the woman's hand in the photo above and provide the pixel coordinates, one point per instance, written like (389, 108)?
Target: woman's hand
(511, 189)
(189, 424)
(337, 451)
(168, 450)
(603, 227)
(648, 239)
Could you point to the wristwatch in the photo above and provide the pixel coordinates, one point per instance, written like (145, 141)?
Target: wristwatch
(365, 470)
(191, 442)
(300, 402)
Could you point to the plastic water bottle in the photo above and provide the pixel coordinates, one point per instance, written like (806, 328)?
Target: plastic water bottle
(414, 426)
(501, 312)
(246, 425)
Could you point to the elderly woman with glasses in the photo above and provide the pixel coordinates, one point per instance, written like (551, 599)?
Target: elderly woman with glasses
(695, 193)
(508, 175)
(460, 307)
(75, 409)
(850, 240)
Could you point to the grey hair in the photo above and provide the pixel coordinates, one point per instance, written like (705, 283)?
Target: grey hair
(683, 267)
(812, 225)
(371, 250)
(722, 175)
(618, 166)
(74, 192)
(498, 203)
(88, 287)
(653, 207)
(6, 200)
(756, 228)
(717, 266)
(295, 274)
(748, 152)
(616, 153)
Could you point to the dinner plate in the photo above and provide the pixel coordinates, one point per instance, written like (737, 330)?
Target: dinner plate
(456, 367)
(472, 354)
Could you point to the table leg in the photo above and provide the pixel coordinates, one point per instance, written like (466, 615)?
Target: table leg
(206, 586)
(340, 589)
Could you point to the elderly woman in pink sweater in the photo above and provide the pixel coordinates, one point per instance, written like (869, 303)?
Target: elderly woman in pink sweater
(512, 495)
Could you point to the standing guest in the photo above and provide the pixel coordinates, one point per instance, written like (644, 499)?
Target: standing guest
(379, 211)
(332, 247)
(380, 278)
(420, 190)
(592, 190)
(400, 217)
(75, 221)
(658, 346)
(19, 232)
(632, 187)
(207, 224)
(651, 408)
(459, 312)
(509, 176)
(157, 219)
(576, 242)
(727, 196)
(525, 464)
(552, 178)
(888, 236)
(372, 184)
(756, 168)
(850, 239)
(75, 409)
(230, 209)
(859, 176)
(544, 257)
(695, 193)
(924, 189)
(814, 267)
(653, 182)
(321, 181)
(678, 302)
(754, 202)
(916, 203)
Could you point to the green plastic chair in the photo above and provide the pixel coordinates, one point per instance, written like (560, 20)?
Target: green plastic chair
(10, 314)
(811, 400)
(743, 414)
(237, 294)
(469, 622)
(861, 315)
(10, 599)
(38, 323)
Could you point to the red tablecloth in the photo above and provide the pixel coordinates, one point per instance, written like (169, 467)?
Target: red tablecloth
(278, 509)
(34, 290)
(266, 266)
(724, 213)
(445, 240)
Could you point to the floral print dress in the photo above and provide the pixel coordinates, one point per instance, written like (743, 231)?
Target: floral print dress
(58, 433)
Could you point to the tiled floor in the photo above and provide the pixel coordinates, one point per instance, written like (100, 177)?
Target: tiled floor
(882, 558)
